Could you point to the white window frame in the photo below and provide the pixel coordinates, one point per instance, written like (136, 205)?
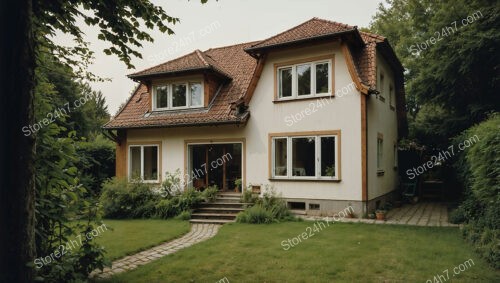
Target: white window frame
(289, 156)
(170, 89)
(142, 162)
(295, 82)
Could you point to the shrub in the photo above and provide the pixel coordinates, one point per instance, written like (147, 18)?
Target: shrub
(210, 193)
(478, 166)
(248, 197)
(123, 199)
(185, 215)
(270, 208)
(255, 215)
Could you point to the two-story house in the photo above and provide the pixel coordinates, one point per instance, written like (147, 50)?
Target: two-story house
(315, 111)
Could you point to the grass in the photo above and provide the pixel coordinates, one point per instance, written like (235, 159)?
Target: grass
(342, 252)
(125, 237)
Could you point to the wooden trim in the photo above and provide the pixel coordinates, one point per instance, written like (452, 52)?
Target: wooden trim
(146, 143)
(255, 79)
(299, 61)
(220, 140)
(352, 70)
(364, 150)
(338, 140)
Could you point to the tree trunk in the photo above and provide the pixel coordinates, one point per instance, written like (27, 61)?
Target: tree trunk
(17, 190)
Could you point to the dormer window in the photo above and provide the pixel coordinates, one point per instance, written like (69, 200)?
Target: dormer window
(304, 78)
(178, 95)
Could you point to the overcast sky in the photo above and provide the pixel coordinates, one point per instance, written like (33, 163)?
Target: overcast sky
(214, 24)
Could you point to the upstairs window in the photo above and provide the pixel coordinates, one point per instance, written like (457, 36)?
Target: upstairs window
(391, 97)
(178, 96)
(302, 80)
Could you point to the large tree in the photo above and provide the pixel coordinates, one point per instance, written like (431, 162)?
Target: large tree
(449, 50)
(27, 28)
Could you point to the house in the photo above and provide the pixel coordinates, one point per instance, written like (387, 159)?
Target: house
(315, 112)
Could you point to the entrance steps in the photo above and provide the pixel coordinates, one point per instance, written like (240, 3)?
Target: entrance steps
(223, 210)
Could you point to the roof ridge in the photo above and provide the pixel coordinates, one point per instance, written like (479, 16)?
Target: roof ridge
(285, 31)
(201, 57)
(233, 45)
(334, 22)
(166, 62)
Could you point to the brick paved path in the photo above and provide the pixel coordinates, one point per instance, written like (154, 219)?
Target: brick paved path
(198, 233)
(420, 214)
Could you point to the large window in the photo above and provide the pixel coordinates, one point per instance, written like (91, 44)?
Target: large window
(177, 96)
(144, 162)
(305, 157)
(304, 79)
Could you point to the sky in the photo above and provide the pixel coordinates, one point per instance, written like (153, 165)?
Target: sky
(214, 24)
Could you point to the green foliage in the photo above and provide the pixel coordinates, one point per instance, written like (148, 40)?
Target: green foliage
(136, 199)
(60, 194)
(185, 215)
(97, 162)
(479, 168)
(123, 199)
(255, 215)
(457, 75)
(270, 208)
(210, 193)
(171, 185)
(248, 197)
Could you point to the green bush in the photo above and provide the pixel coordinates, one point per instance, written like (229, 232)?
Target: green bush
(478, 166)
(270, 208)
(185, 215)
(248, 197)
(255, 215)
(123, 199)
(210, 193)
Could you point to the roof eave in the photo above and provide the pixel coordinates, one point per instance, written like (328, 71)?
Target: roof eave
(255, 50)
(242, 120)
(139, 77)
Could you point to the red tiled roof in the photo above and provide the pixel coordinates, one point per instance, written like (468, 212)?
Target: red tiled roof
(195, 60)
(235, 63)
(313, 28)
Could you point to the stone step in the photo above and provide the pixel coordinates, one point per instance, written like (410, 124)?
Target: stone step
(219, 210)
(227, 194)
(211, 221)
(227, 199)
(223, 204)
(202, 215)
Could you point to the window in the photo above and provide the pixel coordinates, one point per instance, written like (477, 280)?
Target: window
(144, 162)
(380, 150)
(285, 82)
(391, 97)
(381, 87)
(304, 79)
(305, 157)
(178, 96)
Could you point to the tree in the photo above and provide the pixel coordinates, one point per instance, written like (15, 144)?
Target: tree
(27, 26)
(448, 49)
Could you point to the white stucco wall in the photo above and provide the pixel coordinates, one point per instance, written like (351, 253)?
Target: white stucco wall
(342, 113)
(381, 119)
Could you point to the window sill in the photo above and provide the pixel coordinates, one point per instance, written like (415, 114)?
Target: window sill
(304, 98)
(380, 172)
(305, 180)
(381, 98)
(392, 108)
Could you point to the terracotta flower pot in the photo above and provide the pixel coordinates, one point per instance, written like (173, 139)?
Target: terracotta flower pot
(380, 215)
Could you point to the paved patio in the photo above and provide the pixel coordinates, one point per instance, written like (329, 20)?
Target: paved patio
(432, 214)
(198, 233)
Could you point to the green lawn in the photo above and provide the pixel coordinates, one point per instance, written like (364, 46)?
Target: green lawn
(125, 237)
(338, 253)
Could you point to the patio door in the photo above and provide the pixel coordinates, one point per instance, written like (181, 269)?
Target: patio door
(215, 164)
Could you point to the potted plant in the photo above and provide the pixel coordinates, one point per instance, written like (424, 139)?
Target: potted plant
(380, 213)
(238, 183)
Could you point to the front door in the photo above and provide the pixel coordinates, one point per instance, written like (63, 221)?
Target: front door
(215, 165)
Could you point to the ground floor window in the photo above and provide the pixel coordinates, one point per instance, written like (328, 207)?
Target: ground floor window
(299, 156)
(144, 162)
